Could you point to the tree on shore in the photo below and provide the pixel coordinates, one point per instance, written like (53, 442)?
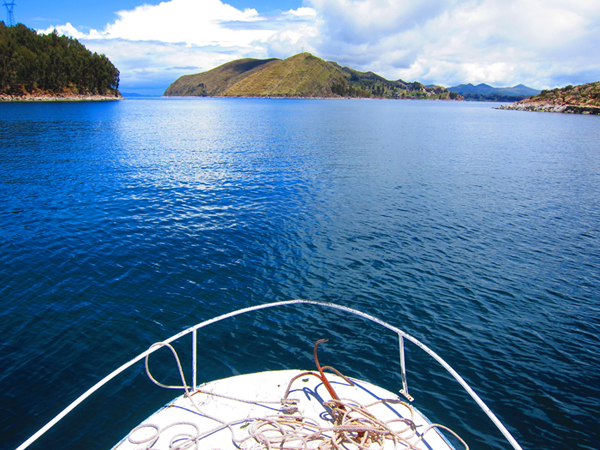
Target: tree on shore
(33, 63)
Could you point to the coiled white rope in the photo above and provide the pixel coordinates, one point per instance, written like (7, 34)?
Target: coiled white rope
(354, 426)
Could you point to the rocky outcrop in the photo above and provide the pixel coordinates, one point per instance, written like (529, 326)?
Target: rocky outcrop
(582, 99)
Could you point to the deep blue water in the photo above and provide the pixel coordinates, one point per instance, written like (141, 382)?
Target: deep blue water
(473, 229)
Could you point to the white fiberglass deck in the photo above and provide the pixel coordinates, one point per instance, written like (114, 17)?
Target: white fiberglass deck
(247, 410)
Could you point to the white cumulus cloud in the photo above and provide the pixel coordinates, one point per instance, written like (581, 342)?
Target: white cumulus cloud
(540, 43)
(190, 21)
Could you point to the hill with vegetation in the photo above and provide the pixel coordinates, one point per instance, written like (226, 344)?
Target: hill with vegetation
(581, 99)
(487, 93)
(38, 66)
(302, 75)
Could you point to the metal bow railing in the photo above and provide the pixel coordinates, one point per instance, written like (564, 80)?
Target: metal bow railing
(193, 330)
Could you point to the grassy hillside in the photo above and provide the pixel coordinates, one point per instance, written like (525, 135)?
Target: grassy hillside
(302, 75)
(217, 81)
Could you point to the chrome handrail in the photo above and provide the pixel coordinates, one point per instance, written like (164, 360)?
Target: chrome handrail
(401, 335)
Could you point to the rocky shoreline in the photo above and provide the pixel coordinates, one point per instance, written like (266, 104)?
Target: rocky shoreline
(551, 107)
(58, 98)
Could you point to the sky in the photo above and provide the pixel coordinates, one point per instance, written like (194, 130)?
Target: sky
(539, 43)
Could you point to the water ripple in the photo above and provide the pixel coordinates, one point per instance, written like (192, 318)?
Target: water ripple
(472, 229)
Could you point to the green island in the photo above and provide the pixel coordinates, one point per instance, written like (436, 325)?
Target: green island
(52, 67)
(581, 99)
(300, 76)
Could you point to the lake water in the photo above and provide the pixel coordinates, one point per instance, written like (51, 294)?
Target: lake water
(473, 229)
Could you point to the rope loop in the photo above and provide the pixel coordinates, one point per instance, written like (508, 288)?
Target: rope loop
(181, 374)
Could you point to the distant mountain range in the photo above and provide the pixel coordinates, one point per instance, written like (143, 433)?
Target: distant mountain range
(485, 92)
(299, 76)
(136, 95)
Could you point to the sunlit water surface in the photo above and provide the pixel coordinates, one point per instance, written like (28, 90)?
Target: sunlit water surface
(475, 230)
